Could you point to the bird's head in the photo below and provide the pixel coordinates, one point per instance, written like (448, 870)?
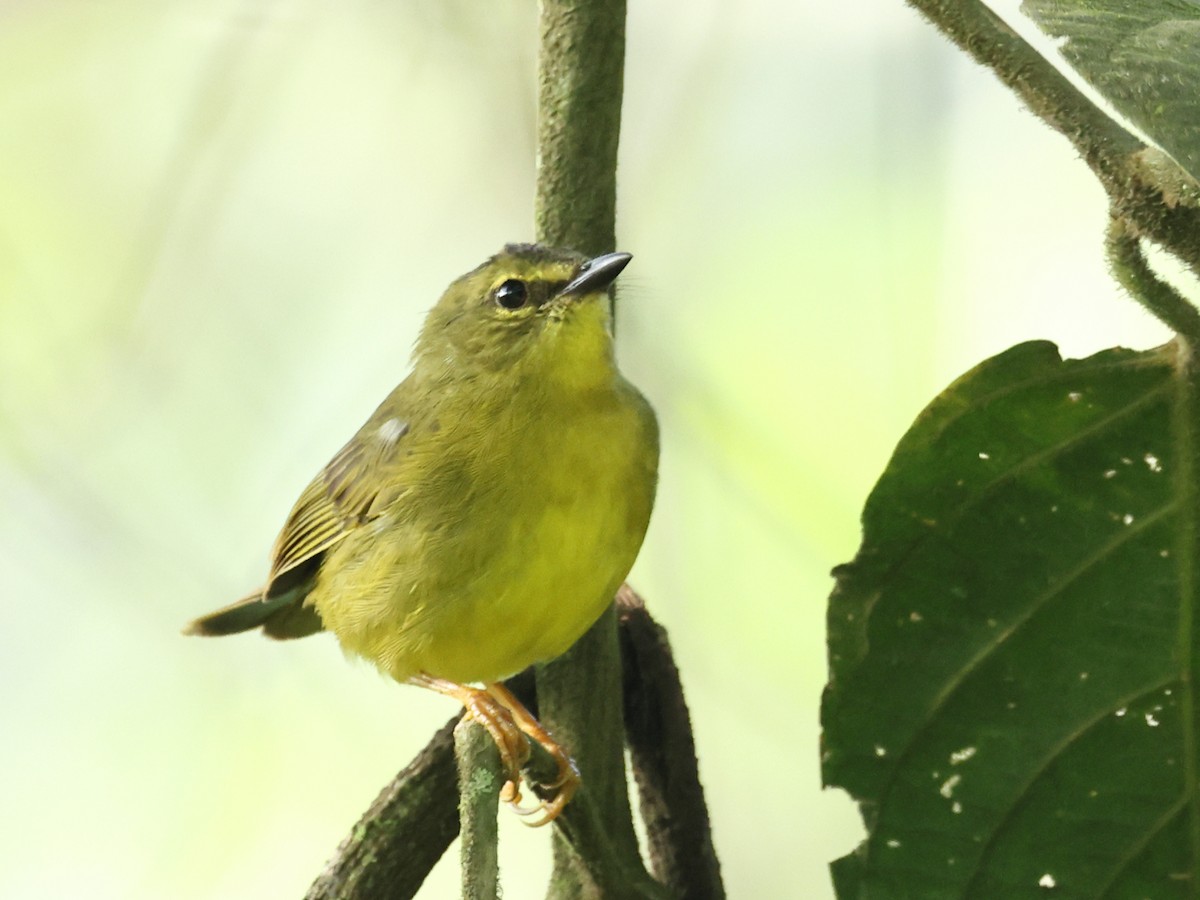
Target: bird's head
(529, 311)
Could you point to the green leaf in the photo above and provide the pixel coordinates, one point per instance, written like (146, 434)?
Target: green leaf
(1143, 56)
(1011, 696)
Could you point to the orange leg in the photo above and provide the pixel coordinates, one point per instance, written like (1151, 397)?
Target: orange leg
(568, 780)
(510, 725)
(493, 716)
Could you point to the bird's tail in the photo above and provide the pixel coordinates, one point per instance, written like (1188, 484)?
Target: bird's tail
(281, 617)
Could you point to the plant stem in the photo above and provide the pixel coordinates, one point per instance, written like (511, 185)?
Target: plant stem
(663, 752)
(580, 83)
(1130, 268)
(581, 69)
(1137, 178)
(479, 784)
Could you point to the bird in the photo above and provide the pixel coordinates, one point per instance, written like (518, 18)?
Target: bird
(483, 517)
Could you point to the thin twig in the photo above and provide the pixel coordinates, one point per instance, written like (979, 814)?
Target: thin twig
(1130, 268)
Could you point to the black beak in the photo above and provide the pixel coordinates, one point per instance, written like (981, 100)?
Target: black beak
(597, 274)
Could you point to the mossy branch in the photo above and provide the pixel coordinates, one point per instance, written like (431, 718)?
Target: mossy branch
(479, 783)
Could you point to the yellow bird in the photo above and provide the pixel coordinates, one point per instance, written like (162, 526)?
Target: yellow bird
(484, 516)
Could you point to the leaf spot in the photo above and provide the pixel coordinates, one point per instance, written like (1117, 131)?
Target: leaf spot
(1152, 462)
(1111, 473)
(1120, 712)
(948, 786)
(961, 756)
(880, 751)
(1047, 881)
(1151, 721)
(983, 455)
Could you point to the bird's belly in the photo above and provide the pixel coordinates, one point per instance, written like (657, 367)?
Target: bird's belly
(516, 581)
(539, 600)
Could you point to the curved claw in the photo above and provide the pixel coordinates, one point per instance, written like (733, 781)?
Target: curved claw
(525, 810)
(567, 772)
(551, 807)
(564, 788)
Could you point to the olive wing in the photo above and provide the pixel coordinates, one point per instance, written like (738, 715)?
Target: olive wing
(340, 499)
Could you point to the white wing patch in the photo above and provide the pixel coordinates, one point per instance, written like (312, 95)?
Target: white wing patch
(392, 430)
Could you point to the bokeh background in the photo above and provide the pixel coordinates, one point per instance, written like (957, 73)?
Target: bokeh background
(220, 224)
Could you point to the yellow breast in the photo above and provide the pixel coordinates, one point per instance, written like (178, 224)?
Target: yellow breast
(503, 557)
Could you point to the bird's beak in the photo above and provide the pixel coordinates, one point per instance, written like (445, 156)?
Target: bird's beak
(597, 274)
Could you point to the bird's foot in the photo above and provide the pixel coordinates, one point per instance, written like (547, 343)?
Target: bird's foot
(512, 726)
(566, 781)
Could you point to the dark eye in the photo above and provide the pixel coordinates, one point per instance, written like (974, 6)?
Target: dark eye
(512, 294)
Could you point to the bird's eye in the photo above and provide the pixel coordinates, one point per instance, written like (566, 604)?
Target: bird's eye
(512, 294)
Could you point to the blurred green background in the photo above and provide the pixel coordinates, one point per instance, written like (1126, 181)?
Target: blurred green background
(220, 225)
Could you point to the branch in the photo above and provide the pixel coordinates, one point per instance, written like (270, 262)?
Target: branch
(404, 832)
(659, 731)
(1145, 188)
(581, 66)
(479, 784)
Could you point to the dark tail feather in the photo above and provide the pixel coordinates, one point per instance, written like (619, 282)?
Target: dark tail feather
(283, 616)
(293, 621)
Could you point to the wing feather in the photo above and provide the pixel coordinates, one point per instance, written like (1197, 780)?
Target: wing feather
(341, 498)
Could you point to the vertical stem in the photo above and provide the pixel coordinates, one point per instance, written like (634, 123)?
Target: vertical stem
(581, 71)
(580, 81)
(479, 783)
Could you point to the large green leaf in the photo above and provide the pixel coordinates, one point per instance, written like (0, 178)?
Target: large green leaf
(1143, 56)
(1011, 696)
